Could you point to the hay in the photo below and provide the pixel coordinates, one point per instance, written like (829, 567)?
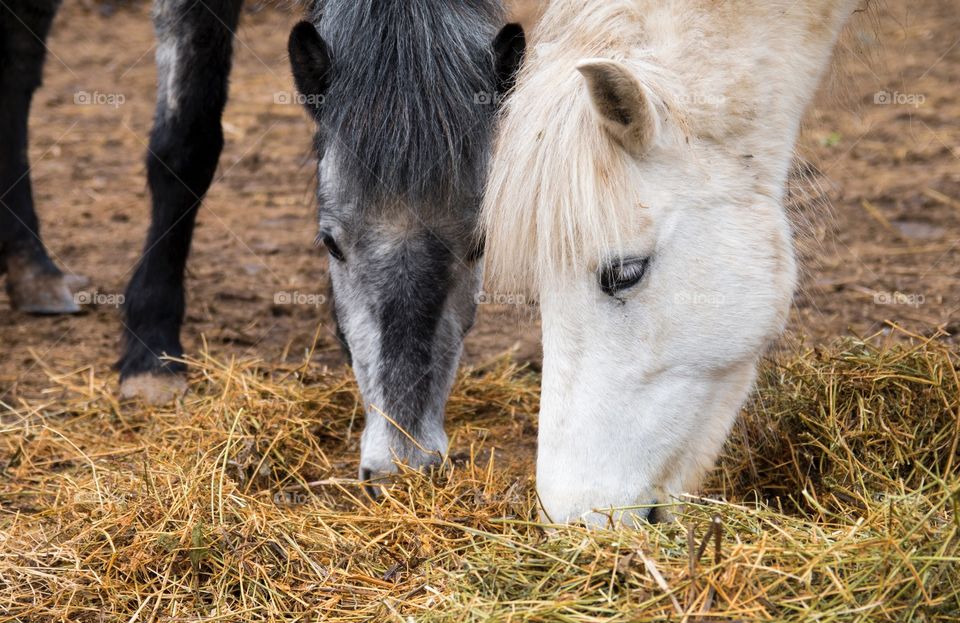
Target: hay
(836, 500)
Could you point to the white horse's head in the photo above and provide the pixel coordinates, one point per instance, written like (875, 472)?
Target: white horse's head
(638, 187)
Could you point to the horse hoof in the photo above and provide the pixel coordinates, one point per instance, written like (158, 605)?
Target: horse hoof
(43, 295)
(153, 389)
(38, 287)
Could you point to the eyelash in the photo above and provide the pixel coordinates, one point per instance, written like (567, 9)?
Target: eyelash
(477, 253)
(332, 248)
(623, 275)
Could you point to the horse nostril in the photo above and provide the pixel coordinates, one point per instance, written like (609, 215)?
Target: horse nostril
(653, 517)
(660, 514)
(372, 491)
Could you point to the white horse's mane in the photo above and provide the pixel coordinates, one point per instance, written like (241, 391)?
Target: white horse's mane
(725, 72)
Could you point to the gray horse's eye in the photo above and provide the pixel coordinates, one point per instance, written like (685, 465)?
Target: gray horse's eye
(478, 250)
(331, 246)
(622, 274)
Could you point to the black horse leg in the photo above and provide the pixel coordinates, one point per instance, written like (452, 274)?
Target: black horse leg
(195, 42)
(34, 283)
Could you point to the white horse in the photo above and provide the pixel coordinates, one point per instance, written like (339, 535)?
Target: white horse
(638, 187)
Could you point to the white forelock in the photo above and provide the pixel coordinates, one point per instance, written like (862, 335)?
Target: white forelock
(724, 74)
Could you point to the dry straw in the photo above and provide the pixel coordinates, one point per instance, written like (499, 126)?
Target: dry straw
(836, 500)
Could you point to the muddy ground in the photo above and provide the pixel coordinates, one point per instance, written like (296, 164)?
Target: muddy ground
(878, 215)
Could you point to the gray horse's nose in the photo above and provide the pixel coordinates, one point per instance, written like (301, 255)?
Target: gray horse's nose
(372, 491)
(372, 482)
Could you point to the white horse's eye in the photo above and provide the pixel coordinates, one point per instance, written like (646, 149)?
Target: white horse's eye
(622, 274)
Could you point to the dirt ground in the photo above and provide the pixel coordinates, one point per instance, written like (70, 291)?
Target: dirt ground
(878, 216)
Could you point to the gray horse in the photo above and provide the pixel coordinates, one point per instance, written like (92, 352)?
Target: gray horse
(404, 95)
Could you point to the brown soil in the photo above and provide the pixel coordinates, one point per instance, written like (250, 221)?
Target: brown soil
(883, 224)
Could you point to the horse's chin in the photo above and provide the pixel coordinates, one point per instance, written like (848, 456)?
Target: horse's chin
(651, 507)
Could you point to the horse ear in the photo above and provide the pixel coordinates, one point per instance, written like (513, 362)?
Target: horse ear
(622, 103)
(508, 50)
(310, 61)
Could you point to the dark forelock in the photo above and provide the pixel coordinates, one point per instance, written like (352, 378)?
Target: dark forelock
(403, 112)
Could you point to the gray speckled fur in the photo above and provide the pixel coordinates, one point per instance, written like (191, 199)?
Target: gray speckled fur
(404, 134)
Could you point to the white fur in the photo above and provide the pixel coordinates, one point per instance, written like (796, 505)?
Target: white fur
(167, 57)
(640, 390)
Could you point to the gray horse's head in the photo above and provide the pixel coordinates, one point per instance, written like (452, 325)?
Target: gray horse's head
(404, 93)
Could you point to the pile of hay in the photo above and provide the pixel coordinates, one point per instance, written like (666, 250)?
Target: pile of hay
(837, 500)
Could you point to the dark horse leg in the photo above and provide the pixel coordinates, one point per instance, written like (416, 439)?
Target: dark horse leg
(34, 283)
(195, 43)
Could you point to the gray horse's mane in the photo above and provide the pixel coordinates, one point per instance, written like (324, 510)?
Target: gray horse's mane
(409, 110)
